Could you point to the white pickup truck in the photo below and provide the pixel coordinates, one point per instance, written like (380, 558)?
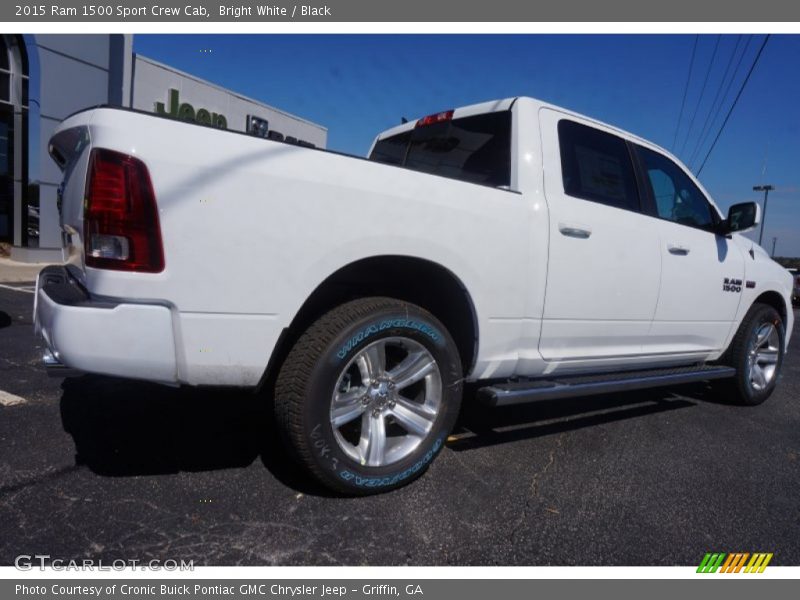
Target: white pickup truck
(511, 243)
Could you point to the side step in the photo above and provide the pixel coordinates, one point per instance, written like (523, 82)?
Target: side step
(521, 392)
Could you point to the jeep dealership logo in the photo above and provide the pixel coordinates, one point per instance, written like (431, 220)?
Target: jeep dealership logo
(184, 111)
(257, 126)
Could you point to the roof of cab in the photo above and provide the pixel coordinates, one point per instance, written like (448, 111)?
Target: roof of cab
(508, 103)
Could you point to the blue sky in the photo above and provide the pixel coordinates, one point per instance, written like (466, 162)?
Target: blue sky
(358, 85)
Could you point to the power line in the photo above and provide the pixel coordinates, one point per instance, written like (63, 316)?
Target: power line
(714, 109)
(725, 95)
(702, 93)
(735, 100)
(685, 91)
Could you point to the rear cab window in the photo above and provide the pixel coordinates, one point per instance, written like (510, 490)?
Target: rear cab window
(475, 149)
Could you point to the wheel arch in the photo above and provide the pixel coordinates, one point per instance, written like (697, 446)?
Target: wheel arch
(769, 297)
(776, 301)
(419, 281)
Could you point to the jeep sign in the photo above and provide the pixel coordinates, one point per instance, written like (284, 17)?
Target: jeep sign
(186, 112)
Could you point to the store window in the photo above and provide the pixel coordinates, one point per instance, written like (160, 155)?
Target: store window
(6, 146)
(13, 148)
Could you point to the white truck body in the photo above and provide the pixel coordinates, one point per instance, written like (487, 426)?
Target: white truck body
(252, 227)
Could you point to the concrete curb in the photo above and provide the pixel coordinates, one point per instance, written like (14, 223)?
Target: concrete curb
(16, 272)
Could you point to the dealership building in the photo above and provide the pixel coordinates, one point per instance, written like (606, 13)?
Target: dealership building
(45, 78)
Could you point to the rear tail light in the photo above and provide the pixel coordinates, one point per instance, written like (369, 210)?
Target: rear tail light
(446, 115)
(120, 218)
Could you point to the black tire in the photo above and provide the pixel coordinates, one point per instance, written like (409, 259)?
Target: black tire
(323, 359)
(741, 389)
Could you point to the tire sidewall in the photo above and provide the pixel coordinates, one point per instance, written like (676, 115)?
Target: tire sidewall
(331, 461)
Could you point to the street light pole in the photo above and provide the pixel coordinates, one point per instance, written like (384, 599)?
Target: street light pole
(766, 189)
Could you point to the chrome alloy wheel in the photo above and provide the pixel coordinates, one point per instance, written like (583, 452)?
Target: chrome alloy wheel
(386, 401)
(762, 356)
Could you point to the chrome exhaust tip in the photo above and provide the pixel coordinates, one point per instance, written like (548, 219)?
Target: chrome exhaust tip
(54, 367)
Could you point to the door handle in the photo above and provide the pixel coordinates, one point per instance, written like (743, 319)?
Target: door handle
(576, 231)
(677, 250)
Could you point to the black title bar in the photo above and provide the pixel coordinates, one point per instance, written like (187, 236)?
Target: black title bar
(469, 11)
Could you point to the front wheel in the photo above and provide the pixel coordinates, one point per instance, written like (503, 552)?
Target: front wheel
(368, 394)
(756, 353)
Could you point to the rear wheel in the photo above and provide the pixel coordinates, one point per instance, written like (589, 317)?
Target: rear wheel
(368, 394)
(756, 353)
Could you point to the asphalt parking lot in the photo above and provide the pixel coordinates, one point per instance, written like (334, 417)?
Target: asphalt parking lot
(93, 467)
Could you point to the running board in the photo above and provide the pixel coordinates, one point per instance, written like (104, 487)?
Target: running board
(521, 392)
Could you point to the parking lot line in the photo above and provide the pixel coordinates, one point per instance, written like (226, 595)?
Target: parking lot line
(7, 399)
(29, 289)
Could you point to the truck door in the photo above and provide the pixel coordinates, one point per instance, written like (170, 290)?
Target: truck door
(604, 260)
(701, 273)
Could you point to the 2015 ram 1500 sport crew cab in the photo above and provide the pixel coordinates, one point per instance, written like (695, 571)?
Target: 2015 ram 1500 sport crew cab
(513, 243)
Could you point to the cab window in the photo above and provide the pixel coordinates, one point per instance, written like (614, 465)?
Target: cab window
(597, 166)
(475, 149)
(675, 195)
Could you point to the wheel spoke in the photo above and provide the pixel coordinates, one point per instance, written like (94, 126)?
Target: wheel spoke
(412, 369)
(376, 355)
(363, 369)
(757, 375)
(347, 407)
(764, 334)
(373, 440)
(372, 362)
(414, 418)
(349, 397)
(767, 357)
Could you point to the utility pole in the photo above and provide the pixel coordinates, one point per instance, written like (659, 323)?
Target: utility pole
(774, 241)
(766, 189)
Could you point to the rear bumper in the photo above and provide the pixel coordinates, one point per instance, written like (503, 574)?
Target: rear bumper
(94, 335)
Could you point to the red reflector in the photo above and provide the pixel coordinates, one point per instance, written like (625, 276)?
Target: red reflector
(121, 229)
(435, 118)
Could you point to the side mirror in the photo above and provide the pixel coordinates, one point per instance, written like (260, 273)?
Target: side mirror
(741, 217)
